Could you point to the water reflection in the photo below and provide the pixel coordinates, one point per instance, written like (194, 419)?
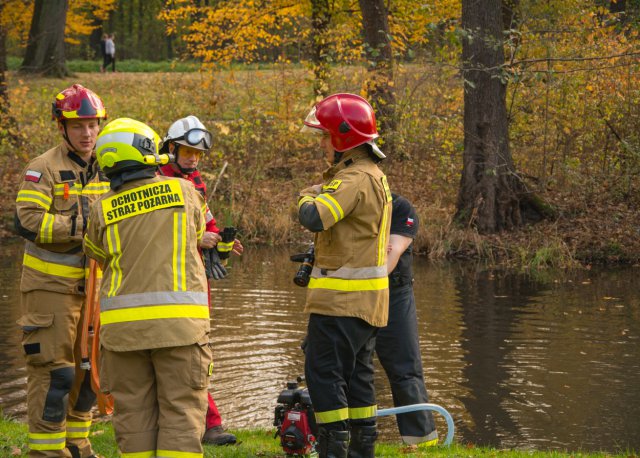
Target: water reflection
(519, 362)
(12, 373)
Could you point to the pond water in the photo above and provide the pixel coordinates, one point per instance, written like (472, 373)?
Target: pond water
(531, 363)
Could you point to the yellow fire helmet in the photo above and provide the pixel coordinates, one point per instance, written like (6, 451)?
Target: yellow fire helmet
(127, 144)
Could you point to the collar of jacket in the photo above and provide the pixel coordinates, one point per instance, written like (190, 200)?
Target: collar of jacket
(348, 157)
(169, 171)
(119, 180)
(76, 158)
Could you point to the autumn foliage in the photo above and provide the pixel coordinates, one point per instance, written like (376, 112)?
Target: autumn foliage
(83, 16)
(573, 104)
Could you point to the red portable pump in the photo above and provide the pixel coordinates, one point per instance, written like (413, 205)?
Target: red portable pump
(295, 421)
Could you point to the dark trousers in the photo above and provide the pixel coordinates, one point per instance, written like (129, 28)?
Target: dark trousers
(398, 348)
(339, 370)
(107, 60)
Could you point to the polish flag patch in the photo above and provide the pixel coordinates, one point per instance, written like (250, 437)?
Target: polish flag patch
(410, 222)
(32, 175)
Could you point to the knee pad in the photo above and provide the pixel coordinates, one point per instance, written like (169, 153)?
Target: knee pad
(55, 404)
(86, 396)
(363, 423)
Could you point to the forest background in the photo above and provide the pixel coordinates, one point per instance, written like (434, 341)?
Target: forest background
(513, 125)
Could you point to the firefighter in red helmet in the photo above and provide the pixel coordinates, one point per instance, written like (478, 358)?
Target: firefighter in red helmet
(348, 293)
(52, 207)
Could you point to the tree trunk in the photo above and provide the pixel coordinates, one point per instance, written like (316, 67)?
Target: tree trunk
(10, 134)
(129, 38)
(379, 84)
(320, 20)
(45, 49)
(618, 6)
(4, 95)
(492, 197)
(95, 39)
(141, 24)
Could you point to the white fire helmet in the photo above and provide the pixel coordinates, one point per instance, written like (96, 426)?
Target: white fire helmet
(189, 131)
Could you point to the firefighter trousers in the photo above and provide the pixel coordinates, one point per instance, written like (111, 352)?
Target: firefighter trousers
(398, 349)
(160, 398)
(339, 370)
(59, 394)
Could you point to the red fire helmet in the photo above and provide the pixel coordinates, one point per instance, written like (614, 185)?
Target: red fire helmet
(78, 102)
(348, 119)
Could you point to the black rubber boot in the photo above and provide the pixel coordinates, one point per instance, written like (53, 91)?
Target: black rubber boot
(332, 443)
(363, 441)
(218, 436)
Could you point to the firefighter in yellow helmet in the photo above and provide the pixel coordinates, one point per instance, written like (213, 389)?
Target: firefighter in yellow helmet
(52, 207)
(154, 311)
(348, 294)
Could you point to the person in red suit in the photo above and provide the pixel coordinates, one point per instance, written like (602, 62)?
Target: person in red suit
(188, 139)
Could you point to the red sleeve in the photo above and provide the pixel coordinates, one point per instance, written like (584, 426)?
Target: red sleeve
(211, 225)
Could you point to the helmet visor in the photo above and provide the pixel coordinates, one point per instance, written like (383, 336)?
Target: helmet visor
(195, 137)
(312, 121)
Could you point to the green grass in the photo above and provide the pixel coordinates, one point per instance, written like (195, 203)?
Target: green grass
(128, 66)
(261, 443)
(144, 66)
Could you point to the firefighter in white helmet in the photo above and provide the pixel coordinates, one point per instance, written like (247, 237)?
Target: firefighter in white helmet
(188, 140)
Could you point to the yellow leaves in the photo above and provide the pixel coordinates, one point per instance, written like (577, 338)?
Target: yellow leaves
(252, 30)
(81, 17)
(234, 31)
(16, 18)
(223, 129)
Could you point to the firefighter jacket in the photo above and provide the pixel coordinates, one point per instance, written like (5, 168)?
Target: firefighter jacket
(349, 277)
(52, 208)
(195, 178)
(154, 291)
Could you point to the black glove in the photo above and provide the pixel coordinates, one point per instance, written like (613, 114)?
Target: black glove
(212, 265)
(225, 246)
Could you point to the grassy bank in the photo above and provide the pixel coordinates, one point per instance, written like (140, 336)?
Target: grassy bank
(255, 114)
(260, 443)
(142, 66)
(128, 66)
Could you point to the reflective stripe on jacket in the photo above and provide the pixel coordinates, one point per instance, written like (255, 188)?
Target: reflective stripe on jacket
(349, 277)
(52, 205)
(154, 291)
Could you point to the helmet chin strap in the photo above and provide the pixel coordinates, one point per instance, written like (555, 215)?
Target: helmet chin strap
(66, 137)
(186, 171)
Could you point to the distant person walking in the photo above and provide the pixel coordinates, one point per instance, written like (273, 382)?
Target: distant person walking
(103, 52)
(110, 50)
